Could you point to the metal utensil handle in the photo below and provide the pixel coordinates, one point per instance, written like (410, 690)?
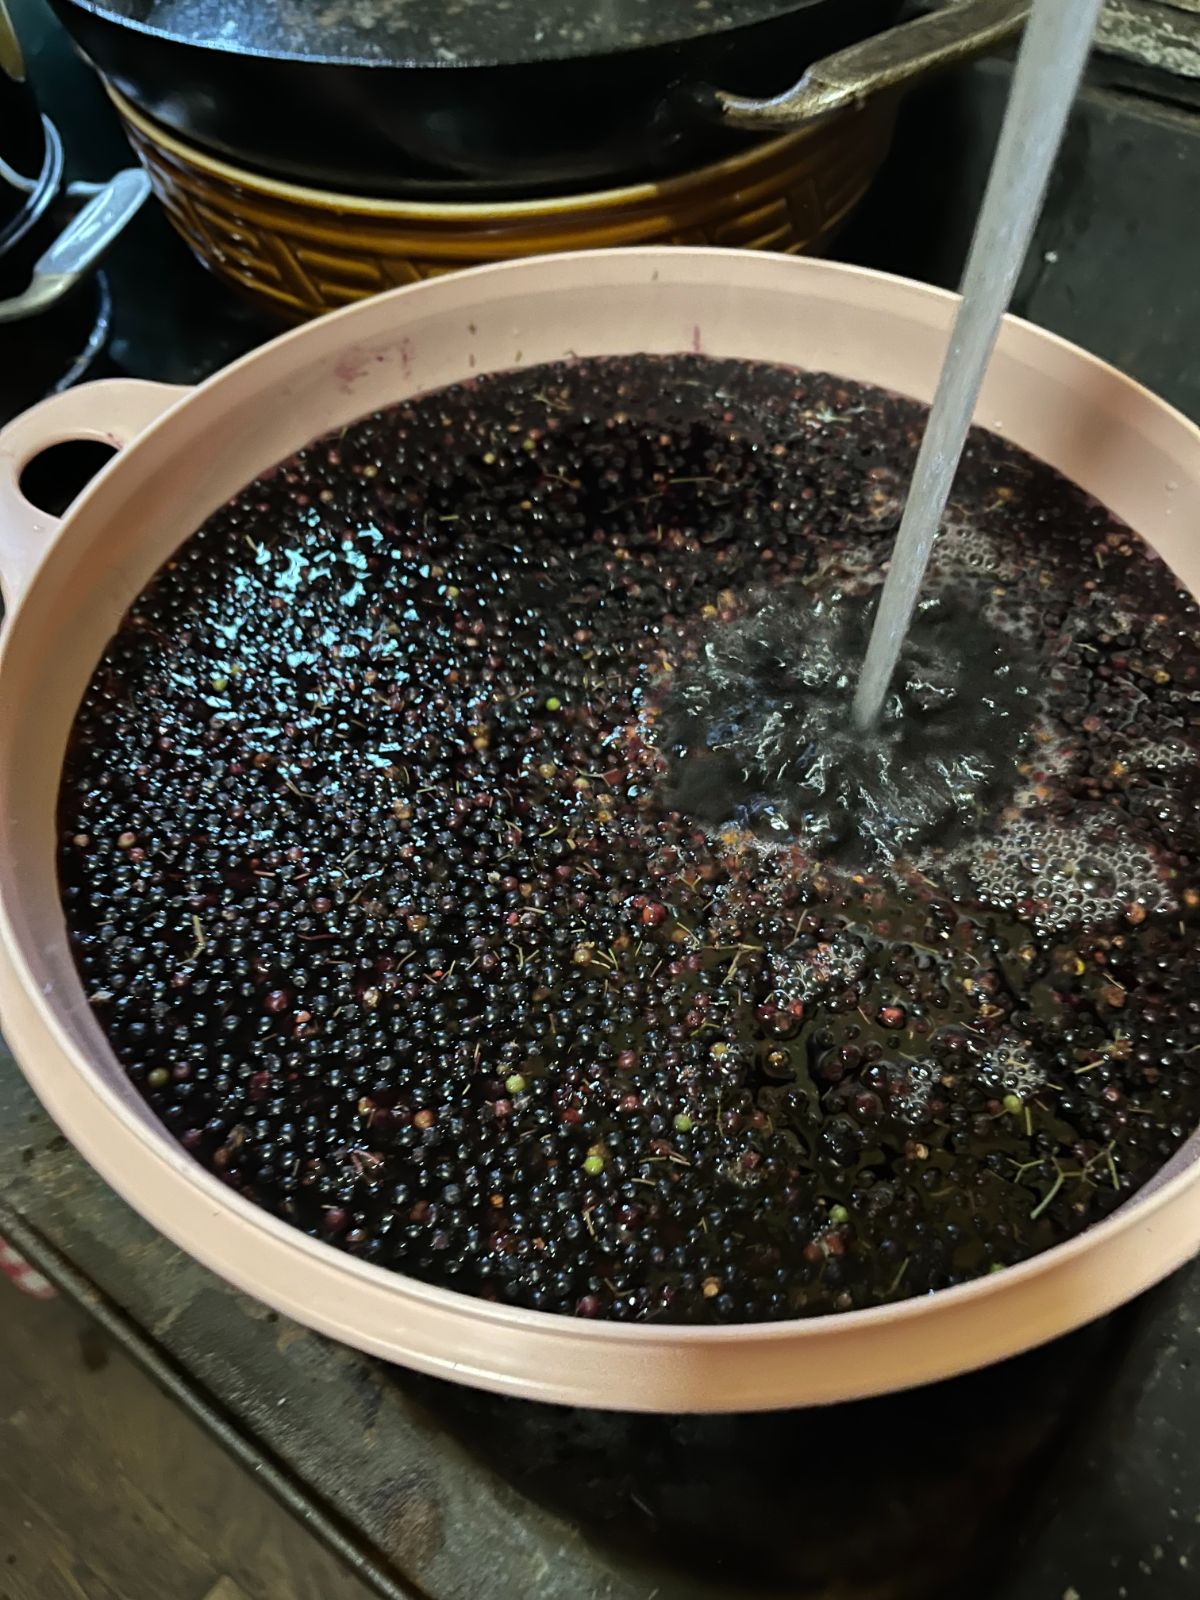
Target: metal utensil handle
(81, 244)
(113, 411)
(1049, 67)
(105, 214)
(886, 61)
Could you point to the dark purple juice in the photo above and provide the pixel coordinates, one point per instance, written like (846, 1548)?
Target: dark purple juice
(465, 850)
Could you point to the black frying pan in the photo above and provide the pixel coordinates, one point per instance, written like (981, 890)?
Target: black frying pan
(477, 98)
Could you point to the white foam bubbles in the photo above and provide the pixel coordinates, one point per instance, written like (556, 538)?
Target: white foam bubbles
(802, 972)
(1158, 755)
(1062, 874)
(963, 548)
(910, 1087)
(1009, 1066)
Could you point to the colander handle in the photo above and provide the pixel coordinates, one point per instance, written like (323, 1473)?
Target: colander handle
(113, 411)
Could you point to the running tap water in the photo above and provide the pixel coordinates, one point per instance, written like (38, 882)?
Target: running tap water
(1048, 70)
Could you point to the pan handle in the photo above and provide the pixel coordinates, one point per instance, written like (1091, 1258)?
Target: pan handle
(80, 245)
(901, 55)
(113, 411)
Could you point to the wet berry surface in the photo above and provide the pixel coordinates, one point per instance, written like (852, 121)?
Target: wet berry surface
(376, 882)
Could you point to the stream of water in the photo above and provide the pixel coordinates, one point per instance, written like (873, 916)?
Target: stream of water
(1051, 62)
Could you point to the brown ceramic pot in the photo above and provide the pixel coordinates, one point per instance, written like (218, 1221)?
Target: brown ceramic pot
(299, 252)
